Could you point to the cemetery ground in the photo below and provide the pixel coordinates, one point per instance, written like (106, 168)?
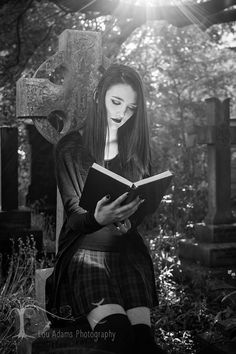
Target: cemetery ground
(196, 313)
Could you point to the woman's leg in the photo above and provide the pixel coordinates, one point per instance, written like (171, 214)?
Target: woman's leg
(102, 311)
(138, 315)
(143, 337)
(113, 329)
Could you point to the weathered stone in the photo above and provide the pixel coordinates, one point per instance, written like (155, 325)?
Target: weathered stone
(41, 276)
(233, 161)
(219, 163)
(8, 168)
(80, 55)
(59, 217)
(209, 254)
(215, 233)
(215, 240)
(15, 218)
(42, 171)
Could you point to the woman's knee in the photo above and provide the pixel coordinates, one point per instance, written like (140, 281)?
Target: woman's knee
(100, 312)
(139, 315)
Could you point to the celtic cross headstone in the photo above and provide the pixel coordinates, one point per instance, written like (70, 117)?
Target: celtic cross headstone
(79, 57)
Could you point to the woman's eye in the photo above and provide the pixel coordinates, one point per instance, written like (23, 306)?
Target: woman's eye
(132, 108)
(117, 103)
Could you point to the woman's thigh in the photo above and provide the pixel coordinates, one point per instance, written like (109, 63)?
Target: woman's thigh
(138, 315)
(102, 311)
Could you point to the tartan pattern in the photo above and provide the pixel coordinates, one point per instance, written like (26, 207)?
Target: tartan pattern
(98, 278)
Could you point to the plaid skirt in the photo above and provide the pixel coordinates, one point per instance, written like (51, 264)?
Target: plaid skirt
(96, 278)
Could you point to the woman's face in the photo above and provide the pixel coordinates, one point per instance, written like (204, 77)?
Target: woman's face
(121, 103)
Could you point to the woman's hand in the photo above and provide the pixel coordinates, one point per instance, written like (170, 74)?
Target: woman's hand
(108, 213)
(123, 226)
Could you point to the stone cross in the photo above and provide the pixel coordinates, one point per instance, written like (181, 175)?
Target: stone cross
(218, 135)
(214, 242)
(80, 56)
(233, 164)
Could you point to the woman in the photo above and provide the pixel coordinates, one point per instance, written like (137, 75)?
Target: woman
(104, 271)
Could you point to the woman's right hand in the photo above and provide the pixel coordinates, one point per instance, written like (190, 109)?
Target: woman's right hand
(113, 212)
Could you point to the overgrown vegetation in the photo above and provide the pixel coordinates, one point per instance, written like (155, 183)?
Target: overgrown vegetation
(192, 306)
(17, 292)
(187, 307)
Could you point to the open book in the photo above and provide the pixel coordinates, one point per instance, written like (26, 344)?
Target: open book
(101, 181)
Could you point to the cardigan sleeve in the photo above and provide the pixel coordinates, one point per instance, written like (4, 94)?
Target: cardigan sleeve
(70, 184)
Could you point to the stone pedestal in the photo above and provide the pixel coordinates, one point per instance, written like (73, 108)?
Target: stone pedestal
(209, 254)
(211, 246)
(41, 276)
(215, 233)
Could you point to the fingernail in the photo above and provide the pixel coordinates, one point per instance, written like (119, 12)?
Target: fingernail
(108, 196)
(141, 201)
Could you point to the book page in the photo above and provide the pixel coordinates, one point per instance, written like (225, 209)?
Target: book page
(153, 178)
(112, 174)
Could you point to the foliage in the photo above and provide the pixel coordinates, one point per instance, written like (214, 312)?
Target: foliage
(45, 222)
(185, 308)
(17, 297)
(16, 291)
(180, 68)
(189, 306)
(28, 35)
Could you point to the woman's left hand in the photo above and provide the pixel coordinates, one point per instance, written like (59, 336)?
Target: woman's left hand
(123, 226)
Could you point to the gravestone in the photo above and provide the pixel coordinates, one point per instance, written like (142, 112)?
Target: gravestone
(14, 223)
(8, 168)
(215, 239)
(80, 55)
(42, 186)
(233, 166)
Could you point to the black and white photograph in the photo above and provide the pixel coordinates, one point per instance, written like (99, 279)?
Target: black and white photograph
(118, 177)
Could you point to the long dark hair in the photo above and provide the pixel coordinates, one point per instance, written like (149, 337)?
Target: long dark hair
(133, 136)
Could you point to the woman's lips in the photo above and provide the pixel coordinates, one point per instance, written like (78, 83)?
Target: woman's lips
(116, 120)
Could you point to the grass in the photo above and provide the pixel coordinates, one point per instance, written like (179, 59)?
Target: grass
(17, 298)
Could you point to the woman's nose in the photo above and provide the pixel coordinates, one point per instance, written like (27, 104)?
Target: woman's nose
(122, 112)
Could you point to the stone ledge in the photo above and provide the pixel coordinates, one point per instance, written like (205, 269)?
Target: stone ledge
(205, 233)
(208, 254)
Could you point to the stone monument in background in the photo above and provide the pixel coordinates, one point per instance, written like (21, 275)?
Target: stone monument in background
(214, 244)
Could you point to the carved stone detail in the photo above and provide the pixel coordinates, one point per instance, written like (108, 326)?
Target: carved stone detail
(80, 55)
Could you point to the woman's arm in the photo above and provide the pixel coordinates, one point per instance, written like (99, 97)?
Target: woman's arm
(69, 173)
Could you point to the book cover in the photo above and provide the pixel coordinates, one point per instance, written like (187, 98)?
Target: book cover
(101, 181)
